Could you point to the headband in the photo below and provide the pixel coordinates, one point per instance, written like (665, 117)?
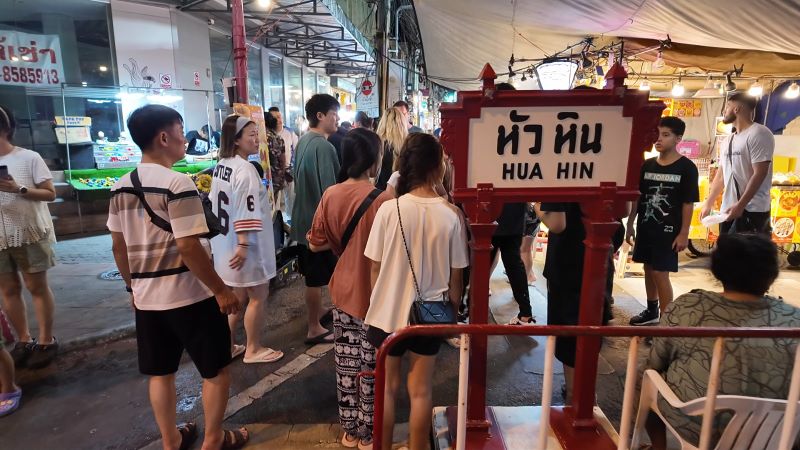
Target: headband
(241, 122)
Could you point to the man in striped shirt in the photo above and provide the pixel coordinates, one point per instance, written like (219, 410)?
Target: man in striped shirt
(180, 301)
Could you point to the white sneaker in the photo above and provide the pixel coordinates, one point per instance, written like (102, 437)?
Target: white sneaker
(518, 321)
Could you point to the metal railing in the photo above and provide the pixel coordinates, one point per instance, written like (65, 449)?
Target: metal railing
(466, 331)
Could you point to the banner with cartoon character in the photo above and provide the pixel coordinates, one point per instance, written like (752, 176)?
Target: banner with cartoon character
(30, 59)
(144, 46)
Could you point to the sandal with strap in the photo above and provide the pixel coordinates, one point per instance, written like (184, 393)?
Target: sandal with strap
(10, 402)
(234, 439)
(188, 433)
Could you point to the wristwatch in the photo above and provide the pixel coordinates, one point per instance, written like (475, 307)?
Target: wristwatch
(22, 190)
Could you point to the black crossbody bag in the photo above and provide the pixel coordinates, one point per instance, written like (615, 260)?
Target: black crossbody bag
(212, 221)
(426, 312)
(351, 227)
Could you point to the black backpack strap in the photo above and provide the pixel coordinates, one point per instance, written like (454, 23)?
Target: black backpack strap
(351, 227)
(154, 218)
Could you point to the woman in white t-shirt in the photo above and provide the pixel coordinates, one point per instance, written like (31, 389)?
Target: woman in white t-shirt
(244, 254)
(26, 245)
(437, 245)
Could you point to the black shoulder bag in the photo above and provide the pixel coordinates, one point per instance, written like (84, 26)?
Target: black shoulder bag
(351, 227)
(212, 221)
(426, 312)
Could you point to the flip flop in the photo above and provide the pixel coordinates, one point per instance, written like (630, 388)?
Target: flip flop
(237, 350)
(321, 339)
(267, 356)
(326, 318)
(10, 402)
(233, 439)
(188, 433)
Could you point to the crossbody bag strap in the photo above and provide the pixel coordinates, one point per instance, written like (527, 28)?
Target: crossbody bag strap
(730, 166)
(139, 192)
(351, 227)
(408, 254)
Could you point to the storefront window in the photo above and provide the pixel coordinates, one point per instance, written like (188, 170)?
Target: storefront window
(276, 81)
(42, 45)
(323, 84)
(294, 97)
(255, 87)
(221, 67)
(309, 84)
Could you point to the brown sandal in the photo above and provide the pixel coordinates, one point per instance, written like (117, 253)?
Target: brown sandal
(234, 439)
(188, 433)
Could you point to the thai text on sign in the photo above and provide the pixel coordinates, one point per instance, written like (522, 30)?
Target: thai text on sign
(573, 146)
(30, 59)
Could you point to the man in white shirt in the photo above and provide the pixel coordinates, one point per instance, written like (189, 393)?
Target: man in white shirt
(290, 141)
(745, 171)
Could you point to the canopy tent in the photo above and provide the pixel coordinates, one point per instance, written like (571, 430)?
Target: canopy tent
(460, 36)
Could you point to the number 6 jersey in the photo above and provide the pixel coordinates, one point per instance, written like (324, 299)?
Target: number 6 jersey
(242, 204)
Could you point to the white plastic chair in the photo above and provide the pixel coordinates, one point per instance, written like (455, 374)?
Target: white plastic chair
(756, 423)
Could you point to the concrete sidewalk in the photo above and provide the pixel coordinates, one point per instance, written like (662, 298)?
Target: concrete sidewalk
(88, 310)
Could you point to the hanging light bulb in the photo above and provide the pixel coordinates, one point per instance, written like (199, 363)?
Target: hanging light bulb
(658, 64)
(793, 91)
(264, 3)
(729, 84)
(644, 85)
(678, 89)
(756, 90)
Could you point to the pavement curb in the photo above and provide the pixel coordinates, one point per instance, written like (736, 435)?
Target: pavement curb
(99, 337)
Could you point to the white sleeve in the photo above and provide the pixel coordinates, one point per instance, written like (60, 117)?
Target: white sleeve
(459, 257)
(246, 210)
(377, 235)
(393, 179)
(762, 146)
(39, 170)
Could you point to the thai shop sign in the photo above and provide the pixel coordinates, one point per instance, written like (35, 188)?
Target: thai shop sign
(30, 59)
(549, 146)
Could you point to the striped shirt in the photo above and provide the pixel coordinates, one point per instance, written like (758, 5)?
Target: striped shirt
(159, 278)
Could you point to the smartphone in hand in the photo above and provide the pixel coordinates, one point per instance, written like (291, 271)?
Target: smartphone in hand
(4, 172)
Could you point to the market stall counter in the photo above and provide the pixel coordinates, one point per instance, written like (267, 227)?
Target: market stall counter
(104, 179)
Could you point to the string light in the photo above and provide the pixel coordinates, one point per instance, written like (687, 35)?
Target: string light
(264, 3)
(793, 91)
(756, 90)
(678, 89)
(645, 85)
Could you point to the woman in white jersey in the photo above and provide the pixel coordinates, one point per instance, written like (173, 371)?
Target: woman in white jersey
(425, 225)
(244, 254)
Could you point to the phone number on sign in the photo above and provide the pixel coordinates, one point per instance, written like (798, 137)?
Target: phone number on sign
(29, 75)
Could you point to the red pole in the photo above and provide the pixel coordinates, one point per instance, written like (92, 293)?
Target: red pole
(479, 314)
(239, 50)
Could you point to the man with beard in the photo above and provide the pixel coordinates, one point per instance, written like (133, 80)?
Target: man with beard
(745, 171)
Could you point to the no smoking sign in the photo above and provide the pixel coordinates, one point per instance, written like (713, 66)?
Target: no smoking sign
(366, 88)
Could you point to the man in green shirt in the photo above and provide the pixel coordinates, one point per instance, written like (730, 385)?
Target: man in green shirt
(315, 169)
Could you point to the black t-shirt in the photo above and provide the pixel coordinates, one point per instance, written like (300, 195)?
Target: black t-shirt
(512, 220)
(197, 145)
(664, 190)
(386, 167)
(565, 250)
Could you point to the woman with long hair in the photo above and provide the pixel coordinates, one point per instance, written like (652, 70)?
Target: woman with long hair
(393, 131)
(350, 286)
(418, 247)
(244, 254)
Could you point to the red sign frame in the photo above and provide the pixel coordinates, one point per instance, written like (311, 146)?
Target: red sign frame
(601, 206)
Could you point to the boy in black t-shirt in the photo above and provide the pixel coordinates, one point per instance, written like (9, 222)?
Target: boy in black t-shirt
(668, 187)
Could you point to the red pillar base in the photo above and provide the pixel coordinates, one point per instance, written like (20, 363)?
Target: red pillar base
(594, 436)
(480, 437)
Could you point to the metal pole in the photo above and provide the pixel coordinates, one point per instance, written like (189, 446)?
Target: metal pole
(239, 50)
(382, 60)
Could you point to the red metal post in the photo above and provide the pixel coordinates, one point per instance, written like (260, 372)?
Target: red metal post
(479, 314)
(239, 50)
(600, 227)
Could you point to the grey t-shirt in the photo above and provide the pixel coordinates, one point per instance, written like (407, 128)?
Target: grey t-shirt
(754, 144)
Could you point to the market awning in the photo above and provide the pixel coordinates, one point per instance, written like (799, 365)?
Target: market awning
(459, 36)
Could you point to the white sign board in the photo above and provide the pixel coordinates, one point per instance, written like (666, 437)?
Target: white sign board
(367, 96)
(553, 146)
(30, 59)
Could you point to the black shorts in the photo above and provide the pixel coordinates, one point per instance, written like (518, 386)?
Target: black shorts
(317, 268)
(750, 222)
(421, 345)
(200, 328)
(563, 306)
(660, 257)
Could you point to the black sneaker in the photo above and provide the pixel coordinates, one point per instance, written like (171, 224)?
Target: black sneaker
(646, 317)
(21, 352)
(43, 354)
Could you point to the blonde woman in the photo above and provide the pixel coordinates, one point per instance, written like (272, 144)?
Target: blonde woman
(393, 131)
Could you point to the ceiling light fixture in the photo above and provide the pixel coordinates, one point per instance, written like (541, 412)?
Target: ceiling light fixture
(658, 64)
(710, 90)
(103, 69)
(793, 91)
(756, 90)
(729, 84)
(264, 3)
(644, 85)
(678, 89)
